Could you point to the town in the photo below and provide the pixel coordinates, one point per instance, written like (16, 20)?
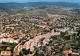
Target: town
(39, 32)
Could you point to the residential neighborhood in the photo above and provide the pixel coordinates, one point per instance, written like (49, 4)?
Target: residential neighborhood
(39, 30)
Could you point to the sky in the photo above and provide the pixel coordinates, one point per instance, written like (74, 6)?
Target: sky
(24, 1)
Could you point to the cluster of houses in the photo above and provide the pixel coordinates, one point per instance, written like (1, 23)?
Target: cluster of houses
(15, 38)
(6, 37)
(12, 36)
(35, 42)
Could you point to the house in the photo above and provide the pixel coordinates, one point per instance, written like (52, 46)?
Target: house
(31, 48)
(73, 53)
(11, 35)
(67, 51)
(70, 51)
(47, 28)
(27, 45)
(1, 36)
(11, 40)
(5, 40)
(16, 41)
(62, 29)
(17, 53)
(6, 53)
(43, 26)
(10, 28)
(8, 48)
(30, 55)
(39, 44)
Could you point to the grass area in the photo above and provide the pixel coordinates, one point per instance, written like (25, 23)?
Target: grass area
(8, 44)
(3, 44)
(33, 31)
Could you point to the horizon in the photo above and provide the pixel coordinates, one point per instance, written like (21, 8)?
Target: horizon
(38, 1)
(25, 1)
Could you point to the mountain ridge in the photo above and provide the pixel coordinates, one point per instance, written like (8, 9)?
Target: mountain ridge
(20, 5)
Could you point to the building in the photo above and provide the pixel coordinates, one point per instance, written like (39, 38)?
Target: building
(5, 53)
